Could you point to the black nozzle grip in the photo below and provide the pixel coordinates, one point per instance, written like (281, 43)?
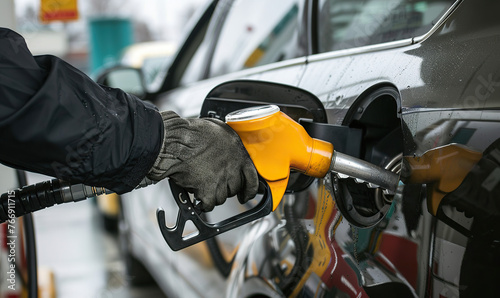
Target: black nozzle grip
(189, 212)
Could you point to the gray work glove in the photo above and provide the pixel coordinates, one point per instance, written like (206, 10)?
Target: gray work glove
(207, 158)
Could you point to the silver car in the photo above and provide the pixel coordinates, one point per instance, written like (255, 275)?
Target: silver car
(383, 81)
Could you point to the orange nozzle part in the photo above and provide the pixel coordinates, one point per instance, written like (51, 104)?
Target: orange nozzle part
(276, 144)
(444, 168)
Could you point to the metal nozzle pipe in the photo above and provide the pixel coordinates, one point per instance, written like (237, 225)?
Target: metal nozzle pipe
(357, 168)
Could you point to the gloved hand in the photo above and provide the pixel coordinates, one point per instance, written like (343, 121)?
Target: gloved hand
(207, 158)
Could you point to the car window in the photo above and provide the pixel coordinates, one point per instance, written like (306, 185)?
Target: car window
(196, 68)
(257, 32)
(152, 66)
(347, 24)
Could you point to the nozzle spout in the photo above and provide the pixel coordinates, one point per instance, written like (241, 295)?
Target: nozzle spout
(358, 168)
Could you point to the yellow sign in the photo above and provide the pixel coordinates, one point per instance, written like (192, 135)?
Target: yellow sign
(58, 10)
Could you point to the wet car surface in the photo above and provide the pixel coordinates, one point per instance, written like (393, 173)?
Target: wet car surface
(411, 76)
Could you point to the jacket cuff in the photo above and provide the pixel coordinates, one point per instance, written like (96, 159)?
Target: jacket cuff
(147, 143)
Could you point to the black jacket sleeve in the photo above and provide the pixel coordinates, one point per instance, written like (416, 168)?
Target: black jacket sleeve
(56, 121)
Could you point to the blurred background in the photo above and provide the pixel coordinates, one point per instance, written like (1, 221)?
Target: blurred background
(78, 245)
(85, 43)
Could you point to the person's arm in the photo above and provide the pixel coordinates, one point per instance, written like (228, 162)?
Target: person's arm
(55, 120)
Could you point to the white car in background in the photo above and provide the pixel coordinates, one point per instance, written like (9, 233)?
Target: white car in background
(151, 57)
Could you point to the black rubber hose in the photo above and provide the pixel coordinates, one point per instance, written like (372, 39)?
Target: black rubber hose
(220, 262)
(31, 198)
(30, 244)
(223, 266)
(300, 237)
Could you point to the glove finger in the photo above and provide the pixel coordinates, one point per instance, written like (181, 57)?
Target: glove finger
(207, 199)
(220, 199)
(250, 183)
(234, 182)
(207, 205)
(221, 193)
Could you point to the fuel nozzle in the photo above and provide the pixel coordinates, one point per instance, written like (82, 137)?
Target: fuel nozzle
(276, 144)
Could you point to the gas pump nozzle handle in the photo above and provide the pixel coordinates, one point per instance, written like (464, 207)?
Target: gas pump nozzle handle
(276, 144)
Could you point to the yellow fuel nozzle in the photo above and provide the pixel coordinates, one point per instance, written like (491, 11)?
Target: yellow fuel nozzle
(444, 168)
(276, 144)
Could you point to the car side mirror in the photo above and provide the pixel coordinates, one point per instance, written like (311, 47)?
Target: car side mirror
(129, 79)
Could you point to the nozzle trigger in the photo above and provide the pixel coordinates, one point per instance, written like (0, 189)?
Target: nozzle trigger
(188, 211)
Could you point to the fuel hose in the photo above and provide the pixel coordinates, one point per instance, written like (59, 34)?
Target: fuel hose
(31, 260)
(34, 197)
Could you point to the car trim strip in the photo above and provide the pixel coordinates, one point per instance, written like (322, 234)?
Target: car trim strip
(438, 24)
(361, 50)
(459, 114)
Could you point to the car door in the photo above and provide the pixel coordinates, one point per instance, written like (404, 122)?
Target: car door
(430, 84)
(463, 108)
(374, 73)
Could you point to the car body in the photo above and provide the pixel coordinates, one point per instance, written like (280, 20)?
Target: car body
(412, 76)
